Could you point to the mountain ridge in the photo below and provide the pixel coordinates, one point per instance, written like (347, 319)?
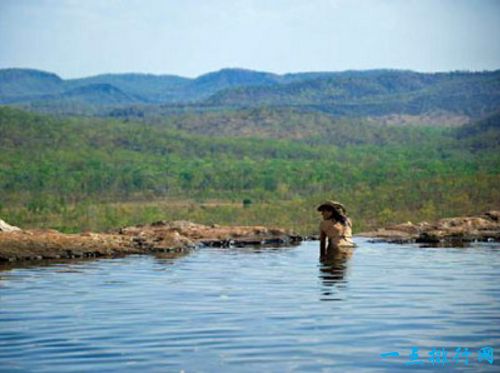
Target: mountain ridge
(346, 93)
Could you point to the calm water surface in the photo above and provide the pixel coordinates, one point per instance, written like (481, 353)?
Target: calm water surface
(253, 310)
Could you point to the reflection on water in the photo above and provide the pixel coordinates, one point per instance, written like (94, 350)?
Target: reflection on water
(332, 267)
(6, 266)
(249, 310)
(170, 257)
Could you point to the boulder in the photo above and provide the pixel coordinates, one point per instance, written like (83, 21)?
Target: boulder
(4, 227)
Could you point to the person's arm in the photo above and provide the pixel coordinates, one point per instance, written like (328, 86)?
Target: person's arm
(322, 243)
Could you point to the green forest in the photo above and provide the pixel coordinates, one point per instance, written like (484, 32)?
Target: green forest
(86, 173)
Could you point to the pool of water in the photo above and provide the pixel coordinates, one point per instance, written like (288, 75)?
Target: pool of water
(253, 310)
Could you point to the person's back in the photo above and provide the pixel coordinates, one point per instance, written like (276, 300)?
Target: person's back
(337, 233)
(347, 236)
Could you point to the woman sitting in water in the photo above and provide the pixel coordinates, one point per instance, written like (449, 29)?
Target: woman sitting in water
(336, 227)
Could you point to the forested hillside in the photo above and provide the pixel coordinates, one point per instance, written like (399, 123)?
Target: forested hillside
(75, 173)
(482, 134)
(109, 150)
(387, 92)
(464, 95)
(282, 123)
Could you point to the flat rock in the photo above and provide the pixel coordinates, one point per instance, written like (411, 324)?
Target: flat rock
(485, 227)
(159, 237)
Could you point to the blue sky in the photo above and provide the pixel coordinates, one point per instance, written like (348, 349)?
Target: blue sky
(76, 38)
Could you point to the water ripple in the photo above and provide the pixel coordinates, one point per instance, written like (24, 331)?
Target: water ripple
(251, 310)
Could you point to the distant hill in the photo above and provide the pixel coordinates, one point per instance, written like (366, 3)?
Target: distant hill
(373, 93)
(380, 93)
(98, 93)
(210, 83)
(281, 123)
(84, 97)
(150, 88)
(27, 86)
(16, 85)
(481, 134)
(22, 85)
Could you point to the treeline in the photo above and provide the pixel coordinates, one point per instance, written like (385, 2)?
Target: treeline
(53, 165)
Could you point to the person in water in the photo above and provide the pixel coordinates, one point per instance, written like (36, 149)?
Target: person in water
(335, 229)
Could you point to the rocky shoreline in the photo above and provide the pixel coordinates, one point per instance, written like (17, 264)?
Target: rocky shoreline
(445, 232)
(160, 237)
(18, 245)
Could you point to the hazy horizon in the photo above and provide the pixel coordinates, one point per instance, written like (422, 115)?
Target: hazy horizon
(240, 68)
(76, 39)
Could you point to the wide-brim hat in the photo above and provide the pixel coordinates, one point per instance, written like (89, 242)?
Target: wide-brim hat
(334, 205)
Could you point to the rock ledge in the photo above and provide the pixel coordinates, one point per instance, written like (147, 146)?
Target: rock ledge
(449, 231)
(158, 237)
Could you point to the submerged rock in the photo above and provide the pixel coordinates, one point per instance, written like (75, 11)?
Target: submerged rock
(458, 230)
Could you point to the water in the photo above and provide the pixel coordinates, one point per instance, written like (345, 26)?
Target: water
(251, 310)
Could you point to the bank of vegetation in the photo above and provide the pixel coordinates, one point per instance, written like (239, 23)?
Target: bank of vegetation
(78, 173)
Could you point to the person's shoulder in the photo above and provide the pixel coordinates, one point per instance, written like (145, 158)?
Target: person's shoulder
(326, 224)
(329, 225)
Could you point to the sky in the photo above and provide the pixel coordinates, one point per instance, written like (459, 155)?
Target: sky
(78, 38)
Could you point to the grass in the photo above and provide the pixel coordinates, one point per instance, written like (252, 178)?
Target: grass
(294, 215)
(297, 214)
